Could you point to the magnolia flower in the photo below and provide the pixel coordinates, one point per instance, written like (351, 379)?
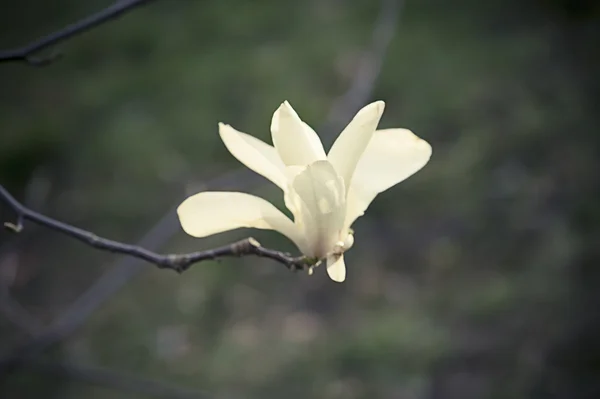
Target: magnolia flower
(325, 193)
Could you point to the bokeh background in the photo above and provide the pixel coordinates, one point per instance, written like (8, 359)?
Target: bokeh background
(475, 278)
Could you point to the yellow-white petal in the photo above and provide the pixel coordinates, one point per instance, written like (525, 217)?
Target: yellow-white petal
(336, 268)
(291, 199)
(392, 156)
(295, 141)
(318, 198)
(214, 212)
(351, 143)
(255, 154)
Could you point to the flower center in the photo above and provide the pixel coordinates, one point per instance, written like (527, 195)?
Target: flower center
(342, 246)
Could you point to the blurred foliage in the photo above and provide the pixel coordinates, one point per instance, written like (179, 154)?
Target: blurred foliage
(469, 280)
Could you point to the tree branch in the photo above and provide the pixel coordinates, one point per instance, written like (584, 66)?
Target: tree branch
(177, 262)
(25, 53)
(16, 314)
(127, 268)
(369, 66)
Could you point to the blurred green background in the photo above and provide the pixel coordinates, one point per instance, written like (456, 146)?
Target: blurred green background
(476, 278)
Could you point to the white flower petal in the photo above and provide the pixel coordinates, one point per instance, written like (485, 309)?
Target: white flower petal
(319, 198)
(336, 268)
(255, 154)
(292, 171)
(392, 156)
(214, 212)
(351, 143)
(295, 141)
(291, 199)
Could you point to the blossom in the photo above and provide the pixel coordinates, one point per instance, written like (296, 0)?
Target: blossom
(325, 193)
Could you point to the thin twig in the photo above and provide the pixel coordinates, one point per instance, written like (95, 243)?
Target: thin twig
(127, 268)
(25, 53)
(124, 269)
(369, 66)
(177, 262)
(106, 286)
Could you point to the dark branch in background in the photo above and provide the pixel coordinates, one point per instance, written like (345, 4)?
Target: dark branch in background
(177, 262)
(90, 374)
(107, 285)
(369, 65)
(17, 314)
(111, 379)
(127, 268)
(26, 53)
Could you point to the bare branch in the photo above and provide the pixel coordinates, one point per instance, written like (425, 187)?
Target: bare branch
(177, 262)
(115, 380)
(370, 64)
(25, 53)
(16, 314)
(127, 268)
(116, 277)
(95, 296)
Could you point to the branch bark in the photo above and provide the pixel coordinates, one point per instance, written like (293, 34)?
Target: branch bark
(25, 53)
(127, 268)
(176, 262)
